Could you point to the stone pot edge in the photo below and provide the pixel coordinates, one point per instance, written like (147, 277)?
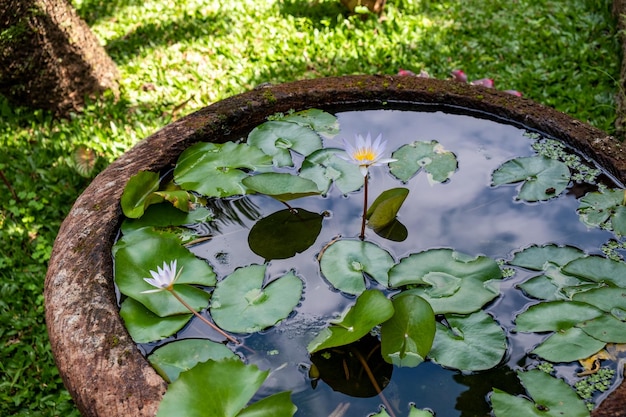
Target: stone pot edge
(100, 364)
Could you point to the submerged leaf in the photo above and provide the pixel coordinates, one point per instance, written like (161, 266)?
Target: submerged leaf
(242, 304)
(285, 233)
(542, 178)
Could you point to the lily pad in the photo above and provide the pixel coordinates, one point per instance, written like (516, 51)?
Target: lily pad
(385, 208)
(451, 282)
(320, 121)
(606, 298)
(567, 346)
(281, 186)
(285, 233)
(469, 342)
(165, 215)
(598, 269)
(555, 316)
(325, 168)
(606, 328)
(551, 397)
(276, 138)
(242, 304)
(605, 208)
(542, 178)
(345, 262)
(537, 257)
(143, 251)
(139, 193)
(217, 169)
(413, 412)
(439, 163)
(222, 388)
(182, 355)
(144, 326)
(408, 336)
(371, 309)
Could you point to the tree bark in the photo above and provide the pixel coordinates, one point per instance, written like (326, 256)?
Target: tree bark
(49, 58)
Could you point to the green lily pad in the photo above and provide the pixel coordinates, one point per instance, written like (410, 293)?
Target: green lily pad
(139, 193)
(451, 282)
(555, 316)
(182, 355)
(320, 121)
(276, 138)
(217, 169)
(371, 309)
(598, 269)
(385, 208)
(469, 342)
(165, 215)
(222, 388)
(606, 328)
(144, 326)
(408, 336)
(325, 168)
(281, 186)
(242, 304)
(537, 257)
(542, 178)
(567, 346)
(413, 412)
(143, 251)
(285, 233)
(551, 397)
(605, 208)
(345, 262)
(439, 163)
(605, 298)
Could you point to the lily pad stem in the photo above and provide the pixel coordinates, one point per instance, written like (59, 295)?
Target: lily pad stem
(195, 313)
(372, 379)
(365, 187)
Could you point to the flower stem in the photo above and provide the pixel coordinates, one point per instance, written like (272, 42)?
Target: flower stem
(365, 187)
(195, 313)
(372, 379)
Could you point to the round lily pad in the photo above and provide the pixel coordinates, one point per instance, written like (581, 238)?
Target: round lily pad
(242, 304)
(345, 262)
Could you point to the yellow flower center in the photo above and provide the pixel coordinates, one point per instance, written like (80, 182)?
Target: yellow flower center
(365, 155)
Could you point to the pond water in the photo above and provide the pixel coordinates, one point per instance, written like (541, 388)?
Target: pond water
(466, 214)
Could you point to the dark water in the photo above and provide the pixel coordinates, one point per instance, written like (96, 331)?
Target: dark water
(465, 214)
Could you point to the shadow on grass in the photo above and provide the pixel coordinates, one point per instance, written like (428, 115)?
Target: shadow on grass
(92, 11)
(151, 35)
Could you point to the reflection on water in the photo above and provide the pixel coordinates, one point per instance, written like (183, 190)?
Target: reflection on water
(466, 214)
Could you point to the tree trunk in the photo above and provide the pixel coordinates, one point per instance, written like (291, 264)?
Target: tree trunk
(49, 58)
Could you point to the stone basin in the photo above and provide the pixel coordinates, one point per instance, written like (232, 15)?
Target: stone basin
(100, 364)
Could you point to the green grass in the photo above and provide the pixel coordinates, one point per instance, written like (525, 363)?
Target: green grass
(178, 56)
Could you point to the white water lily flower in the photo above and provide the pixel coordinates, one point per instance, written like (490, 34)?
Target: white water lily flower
(365, 153)
(164, 278)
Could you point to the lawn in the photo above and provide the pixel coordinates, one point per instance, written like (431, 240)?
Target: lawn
(180, 55)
